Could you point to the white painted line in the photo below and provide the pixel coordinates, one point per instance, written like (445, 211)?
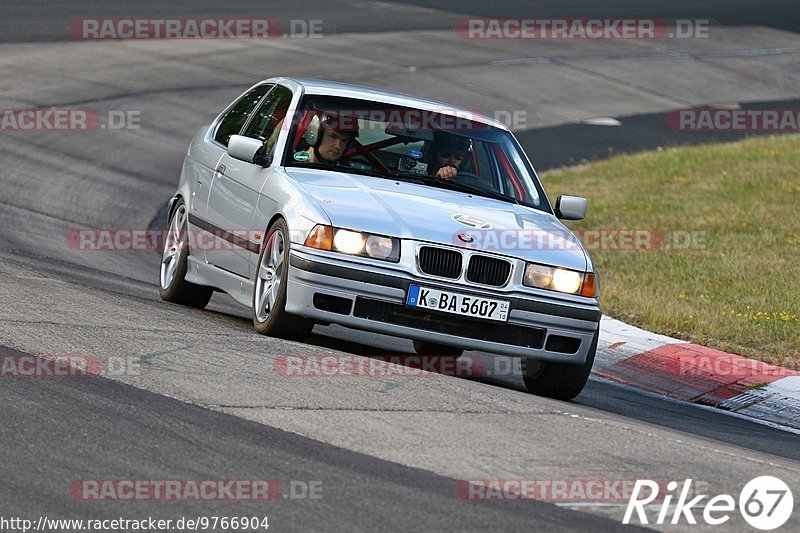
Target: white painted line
(602, 121)
(788, 387)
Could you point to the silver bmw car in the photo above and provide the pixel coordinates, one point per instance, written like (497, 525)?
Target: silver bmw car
(317, 202)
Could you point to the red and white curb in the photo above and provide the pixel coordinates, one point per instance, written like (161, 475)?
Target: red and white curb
(697, 374)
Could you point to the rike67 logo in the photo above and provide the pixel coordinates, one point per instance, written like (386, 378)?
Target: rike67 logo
(765, 502)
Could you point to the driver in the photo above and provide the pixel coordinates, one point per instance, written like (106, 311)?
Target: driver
(328, 140)
(448, 153)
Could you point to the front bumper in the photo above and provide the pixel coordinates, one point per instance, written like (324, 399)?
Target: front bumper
(372, 298)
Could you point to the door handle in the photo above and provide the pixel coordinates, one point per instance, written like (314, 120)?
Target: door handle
(198, 187)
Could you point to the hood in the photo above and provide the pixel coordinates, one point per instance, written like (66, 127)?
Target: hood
(424, 213)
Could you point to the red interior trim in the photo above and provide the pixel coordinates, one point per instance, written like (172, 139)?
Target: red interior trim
(301, 129)
(370, 157)
(508, 168)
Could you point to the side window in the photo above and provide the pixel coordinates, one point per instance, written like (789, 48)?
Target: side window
(486, 167)
(267, 121)
(234, 119)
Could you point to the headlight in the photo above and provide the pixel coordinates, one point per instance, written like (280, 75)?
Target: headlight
(348, 242)
(560, 279)
(538, 276)
(379, 247)
(354, 243)
(566, 280)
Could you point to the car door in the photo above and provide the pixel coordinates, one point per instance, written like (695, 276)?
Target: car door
(237, 185)
(213, 148)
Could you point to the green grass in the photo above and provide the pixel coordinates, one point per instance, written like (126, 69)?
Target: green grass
(737, 288)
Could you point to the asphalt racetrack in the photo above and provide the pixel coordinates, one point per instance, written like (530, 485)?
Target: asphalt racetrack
(199, 399)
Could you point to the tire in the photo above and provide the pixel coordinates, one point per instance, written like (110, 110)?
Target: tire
(269, 288)
(172, 284)
(558, 380)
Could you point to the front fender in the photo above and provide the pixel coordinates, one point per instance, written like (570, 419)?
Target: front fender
(281, 195)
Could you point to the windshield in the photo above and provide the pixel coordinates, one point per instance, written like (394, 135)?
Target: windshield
(436, 149)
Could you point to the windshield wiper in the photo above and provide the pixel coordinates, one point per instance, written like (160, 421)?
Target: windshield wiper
(419, 178)
(449, 184)
(343, 168)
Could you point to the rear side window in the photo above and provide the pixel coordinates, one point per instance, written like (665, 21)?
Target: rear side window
(236, 116)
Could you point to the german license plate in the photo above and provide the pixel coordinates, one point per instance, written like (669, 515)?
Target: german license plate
(457, 304)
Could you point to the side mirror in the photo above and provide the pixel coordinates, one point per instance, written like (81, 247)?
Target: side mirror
(571, 207)
(248, 150)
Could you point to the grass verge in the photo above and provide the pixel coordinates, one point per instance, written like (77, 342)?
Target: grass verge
(720, 228)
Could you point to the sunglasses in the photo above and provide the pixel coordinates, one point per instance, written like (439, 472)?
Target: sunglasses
(450, 153)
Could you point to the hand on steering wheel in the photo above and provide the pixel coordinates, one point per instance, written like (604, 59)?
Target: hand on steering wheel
(446, 172)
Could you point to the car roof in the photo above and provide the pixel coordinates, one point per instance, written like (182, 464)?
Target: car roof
(347, 90)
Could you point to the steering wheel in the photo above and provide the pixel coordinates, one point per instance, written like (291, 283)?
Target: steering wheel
(360, 164)
(473, 180)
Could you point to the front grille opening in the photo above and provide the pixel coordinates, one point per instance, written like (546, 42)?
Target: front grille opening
(484, 330)
(332, 304)
(440, 262)
(557, 343)
(488, 270)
